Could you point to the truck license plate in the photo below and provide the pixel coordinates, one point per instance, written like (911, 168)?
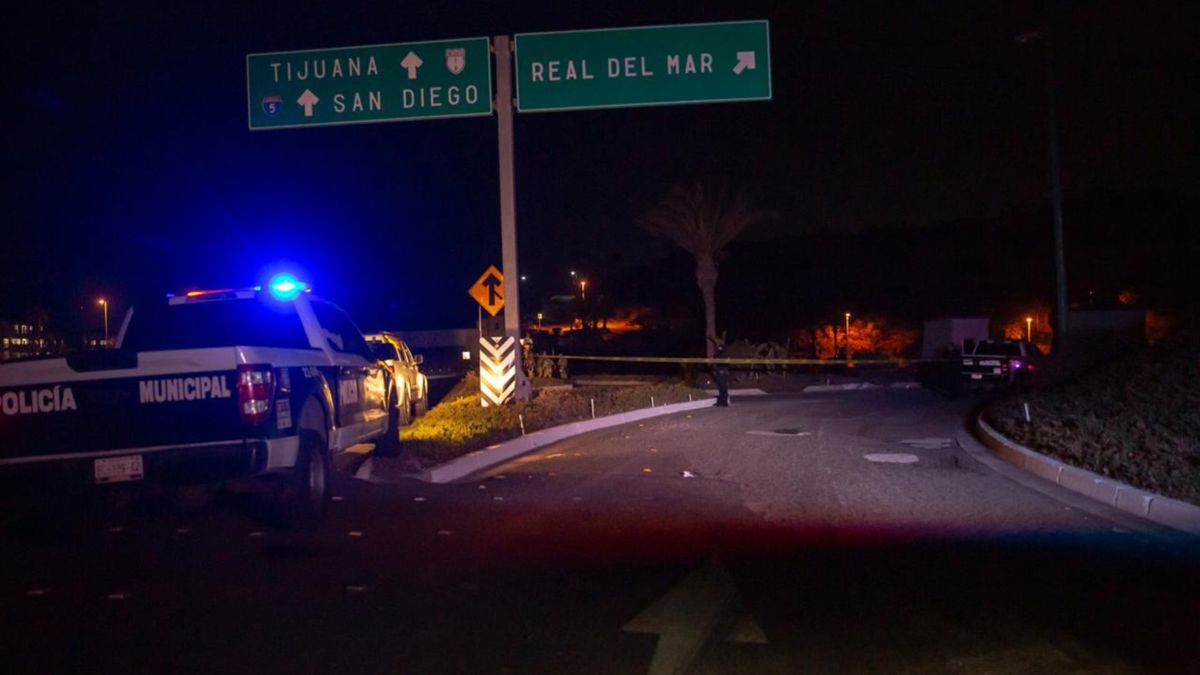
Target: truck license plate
(119, 469)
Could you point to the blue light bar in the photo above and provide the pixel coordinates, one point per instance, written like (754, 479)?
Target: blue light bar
(285, 286)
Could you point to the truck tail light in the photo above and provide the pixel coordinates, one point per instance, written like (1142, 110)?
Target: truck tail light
(256, 392)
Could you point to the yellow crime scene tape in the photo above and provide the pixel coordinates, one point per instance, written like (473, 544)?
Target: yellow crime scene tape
(732, 362)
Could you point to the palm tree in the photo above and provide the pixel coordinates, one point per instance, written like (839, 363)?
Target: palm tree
(703, 224)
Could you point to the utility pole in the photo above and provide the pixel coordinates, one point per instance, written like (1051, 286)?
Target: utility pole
(1060, 266)
(508, 211)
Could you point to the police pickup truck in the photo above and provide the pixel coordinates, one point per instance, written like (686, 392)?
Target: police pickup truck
(203, 387)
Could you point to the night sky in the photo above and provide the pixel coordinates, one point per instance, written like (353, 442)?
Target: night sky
(129, 168)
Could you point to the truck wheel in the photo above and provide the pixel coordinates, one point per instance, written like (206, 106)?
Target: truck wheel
(388, 445)
(422, 405)
(304, 491)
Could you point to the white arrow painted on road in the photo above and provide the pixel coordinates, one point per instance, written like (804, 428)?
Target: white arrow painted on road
(410, 63)
(745, 61)
(308, 100)
(688, 615)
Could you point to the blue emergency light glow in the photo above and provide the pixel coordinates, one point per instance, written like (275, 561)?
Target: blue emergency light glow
(285, 286)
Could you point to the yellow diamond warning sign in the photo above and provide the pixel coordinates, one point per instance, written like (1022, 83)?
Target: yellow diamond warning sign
(488, 291)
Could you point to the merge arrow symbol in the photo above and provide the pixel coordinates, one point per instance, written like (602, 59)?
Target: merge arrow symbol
(308, 100)
(745, 61)
(491, 283)
(410, 63)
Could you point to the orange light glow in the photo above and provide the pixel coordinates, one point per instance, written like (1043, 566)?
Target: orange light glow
(196, 294)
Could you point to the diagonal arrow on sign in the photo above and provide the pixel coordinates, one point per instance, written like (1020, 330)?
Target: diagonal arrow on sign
(745, 61)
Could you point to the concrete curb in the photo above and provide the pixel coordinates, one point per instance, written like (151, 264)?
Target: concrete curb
(1165, 511)
(502, 452)
(738, 392)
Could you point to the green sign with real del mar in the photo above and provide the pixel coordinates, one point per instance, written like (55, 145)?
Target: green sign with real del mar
(654, 65)
(377, 83)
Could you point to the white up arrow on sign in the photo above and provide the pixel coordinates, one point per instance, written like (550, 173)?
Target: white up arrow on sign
(308, 100)
(410, 63)
(745, 61)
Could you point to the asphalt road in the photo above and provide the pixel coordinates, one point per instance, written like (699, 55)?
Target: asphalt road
(787, 550)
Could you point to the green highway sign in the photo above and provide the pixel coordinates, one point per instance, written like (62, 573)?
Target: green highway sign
(376, 83)
(654, 65)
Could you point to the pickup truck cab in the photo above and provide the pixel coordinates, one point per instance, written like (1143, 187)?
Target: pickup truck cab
(202, 387)
(1000, 361)
(410, 384)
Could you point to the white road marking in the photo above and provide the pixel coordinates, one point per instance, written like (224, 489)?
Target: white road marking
(687, 615)
(891, 458)
(928, 443)
(756, 432)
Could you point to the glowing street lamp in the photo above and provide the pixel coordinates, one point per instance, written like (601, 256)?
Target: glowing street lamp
(104, 303)
(583, 288)
(847, 337)
(1029, 329)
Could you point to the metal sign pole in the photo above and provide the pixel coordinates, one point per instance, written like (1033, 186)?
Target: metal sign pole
(508, 212)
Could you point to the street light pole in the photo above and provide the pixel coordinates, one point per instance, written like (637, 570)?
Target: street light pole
(104, 304)
(846, 338)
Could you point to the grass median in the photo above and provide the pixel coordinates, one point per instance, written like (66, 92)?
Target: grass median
(1136, 420)
(459, 424)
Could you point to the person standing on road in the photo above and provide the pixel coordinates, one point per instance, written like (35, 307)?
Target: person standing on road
(720, 373)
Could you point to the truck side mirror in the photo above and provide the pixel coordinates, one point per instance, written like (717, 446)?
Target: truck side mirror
(418, 359)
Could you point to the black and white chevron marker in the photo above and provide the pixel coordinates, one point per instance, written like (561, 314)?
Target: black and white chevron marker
(497, 369)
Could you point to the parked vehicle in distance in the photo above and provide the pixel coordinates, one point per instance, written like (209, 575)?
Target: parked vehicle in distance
(411, 386)
(1002, 362)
